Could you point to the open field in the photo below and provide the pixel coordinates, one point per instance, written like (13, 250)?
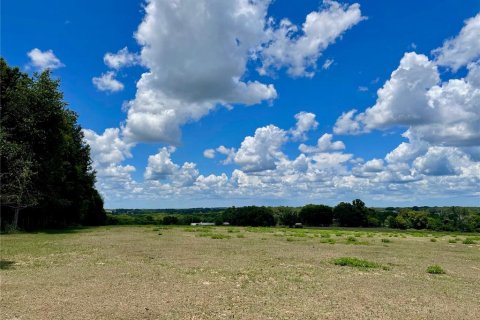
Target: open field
(238, 273)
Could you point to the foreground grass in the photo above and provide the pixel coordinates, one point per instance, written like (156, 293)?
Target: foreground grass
(358, 263)
(241, 273)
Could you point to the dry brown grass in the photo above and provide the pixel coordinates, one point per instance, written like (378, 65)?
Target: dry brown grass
(135, 273)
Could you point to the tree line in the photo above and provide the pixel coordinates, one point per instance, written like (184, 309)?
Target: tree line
(46, 175)
(344, 214)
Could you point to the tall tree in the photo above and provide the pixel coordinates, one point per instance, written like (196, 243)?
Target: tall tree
(54, 163)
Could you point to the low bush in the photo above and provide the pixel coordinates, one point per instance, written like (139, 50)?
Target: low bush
(435, 269)
(358, 263)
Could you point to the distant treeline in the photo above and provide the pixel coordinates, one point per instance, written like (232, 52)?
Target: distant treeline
(354, 214)
(170, 211)
(46, 178)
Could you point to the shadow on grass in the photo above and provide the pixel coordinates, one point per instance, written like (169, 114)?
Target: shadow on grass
(62, 230)
(6, 264)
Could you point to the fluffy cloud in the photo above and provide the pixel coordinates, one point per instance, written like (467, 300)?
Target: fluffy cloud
(263, 150)
(107, 82)
(108, 150)
(108, 147)
(324, 144)
(403, 98)
(43, 60)
(346, 123)
(194, 67)
(161, 167)
(439, 161)
(305, 122)
(407, 174)
(443, 114)
(462, 49)
(300, 52)
(209, 153)
(123, 58)
(229, 152)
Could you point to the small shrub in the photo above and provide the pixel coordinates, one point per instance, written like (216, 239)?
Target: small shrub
(357, 263)
(433, 240)
(386, 240)
(468, 241)
(452, 241)
(240, 235)
(328, 240)
(219, 236)
(435, 269)
(351, 239)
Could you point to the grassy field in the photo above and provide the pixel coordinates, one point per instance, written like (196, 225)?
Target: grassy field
(239, 273)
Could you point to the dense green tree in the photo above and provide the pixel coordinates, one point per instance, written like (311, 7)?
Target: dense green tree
(316, 215)
(249, 216)
(287, 216)
(353, 214)
(41, 139)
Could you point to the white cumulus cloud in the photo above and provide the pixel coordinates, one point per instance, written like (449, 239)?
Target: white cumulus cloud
(463, 49)
(122, 58)
(299, 51)
(324, 144)
(196, 66)
(43, 60)
(305, 122)
(107, 82)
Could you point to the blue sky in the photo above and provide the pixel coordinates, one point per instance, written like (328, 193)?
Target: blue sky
(212, 103)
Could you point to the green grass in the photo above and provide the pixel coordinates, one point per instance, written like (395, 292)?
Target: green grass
(246, 278)
(328, 240)
(386, 240)
(468, 241)
(219, 236)
(358, 263)
(435, 269)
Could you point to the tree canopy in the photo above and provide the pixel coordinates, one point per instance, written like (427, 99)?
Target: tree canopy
(45, 164)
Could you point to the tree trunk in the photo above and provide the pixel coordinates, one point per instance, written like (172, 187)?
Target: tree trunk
(15, 218)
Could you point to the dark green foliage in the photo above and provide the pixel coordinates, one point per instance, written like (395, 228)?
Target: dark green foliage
(351, 215)
(345, 214)
(170, 220)
(249, 216)
(287, 216)
(316, 215)
(468, 241)
(40, 136)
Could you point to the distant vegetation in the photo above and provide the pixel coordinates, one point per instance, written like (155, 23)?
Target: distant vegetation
(46, 175)
(355, 214)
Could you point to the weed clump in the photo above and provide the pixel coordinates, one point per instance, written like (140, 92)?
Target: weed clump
(468, 241)
(219, 236)
(358, 263)
(351, 239)
(386, 240)
(328, 240)
(435, 269)
(433, 240)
